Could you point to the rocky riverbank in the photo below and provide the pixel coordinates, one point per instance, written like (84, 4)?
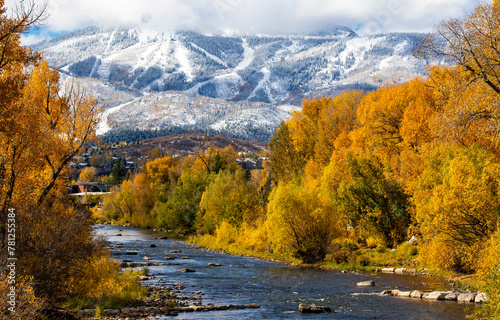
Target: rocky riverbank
(162, 301)
(467, 297)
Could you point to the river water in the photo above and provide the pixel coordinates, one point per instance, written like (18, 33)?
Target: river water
(277, 288)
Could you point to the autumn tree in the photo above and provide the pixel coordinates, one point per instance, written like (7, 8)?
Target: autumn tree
(230, 198)
(300, 223)
(284, 160)
(457, 205)
(42, 127)
(162, 173)
(472, 42)
(88, 174)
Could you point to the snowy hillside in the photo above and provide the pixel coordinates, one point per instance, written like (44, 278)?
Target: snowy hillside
(273, 69)
(157, 83)
(174, 112)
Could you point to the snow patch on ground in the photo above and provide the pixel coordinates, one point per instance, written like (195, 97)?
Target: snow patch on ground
(289, 108)
(228, 85)
(358, 47)
(400, 48)
(103, 126)
(182, 55)
(262, 83)
(386, 63)
(248, 56)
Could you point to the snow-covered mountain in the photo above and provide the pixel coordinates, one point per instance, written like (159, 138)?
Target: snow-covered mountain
(271, 69)
(124, 64)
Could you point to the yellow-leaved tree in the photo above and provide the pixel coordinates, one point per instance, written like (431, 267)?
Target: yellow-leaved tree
(42, 127)
(457, 205)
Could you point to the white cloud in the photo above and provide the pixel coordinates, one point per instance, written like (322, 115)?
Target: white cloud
(262, 16)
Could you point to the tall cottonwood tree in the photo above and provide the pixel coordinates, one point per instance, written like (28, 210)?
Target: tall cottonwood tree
(42, 127)
(473, 42)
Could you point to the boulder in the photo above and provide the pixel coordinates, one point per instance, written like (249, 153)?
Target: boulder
(452, 296)
(400, 270)
(186, 270)
(480, 297)
(304, 308)
(437, 295)
(119, 235)
(175, 251)
(163, 238)
(152, 245)
(87, 313)
(404, 294)
(214, 264)
(168, 258)
(386, 293)
(388, 270)
(413, 240)
(131, 253)
(369, 283)
(111, 312)
(466, 297)
(395, 292)
(185, 258)
(130, 311)
(144, 278)
(147, 258)
(416, 294)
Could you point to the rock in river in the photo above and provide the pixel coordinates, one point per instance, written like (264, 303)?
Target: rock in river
(305, 308)
(466, 297)
(369, 283)
(186, 270)
(436, 295)
(214, 264)
(481, 297)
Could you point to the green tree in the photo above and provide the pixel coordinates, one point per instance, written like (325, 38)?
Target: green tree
(119, 173)
(179, 211)
(370, 200)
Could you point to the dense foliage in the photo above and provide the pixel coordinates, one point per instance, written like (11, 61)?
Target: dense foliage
(43, 126)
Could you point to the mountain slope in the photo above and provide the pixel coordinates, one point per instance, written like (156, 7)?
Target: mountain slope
(273, 69)
(174, 112)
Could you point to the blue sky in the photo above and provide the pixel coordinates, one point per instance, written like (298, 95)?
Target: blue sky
(250, 16)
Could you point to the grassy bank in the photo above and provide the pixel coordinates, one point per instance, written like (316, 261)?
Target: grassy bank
(345, 256)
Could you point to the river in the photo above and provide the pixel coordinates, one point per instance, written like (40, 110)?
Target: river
(277, 288)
